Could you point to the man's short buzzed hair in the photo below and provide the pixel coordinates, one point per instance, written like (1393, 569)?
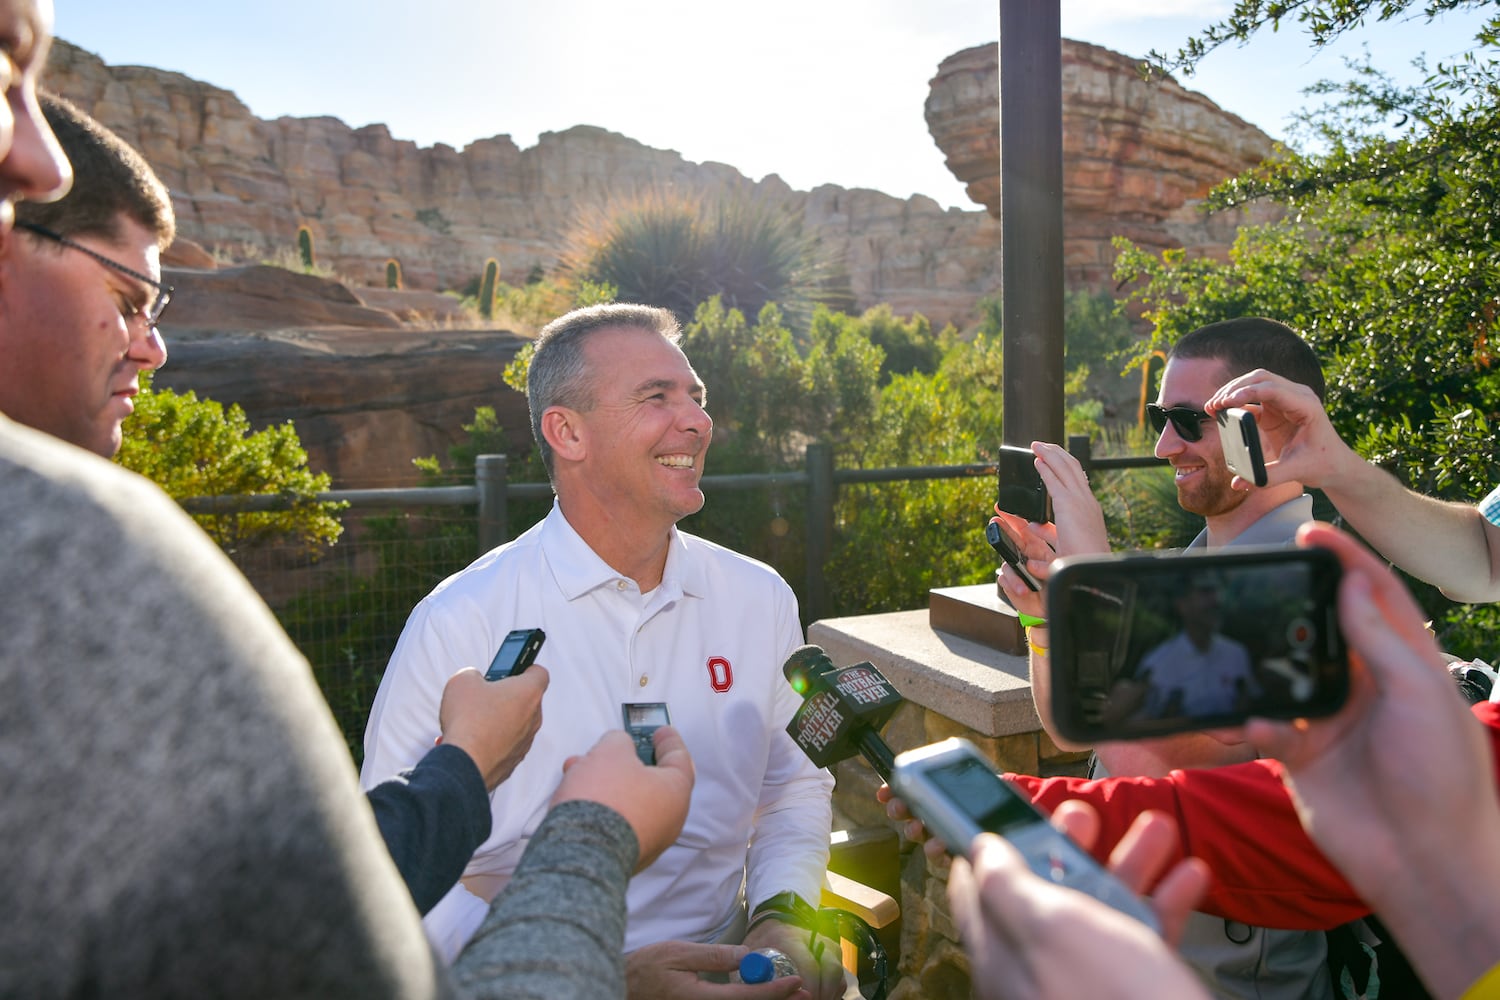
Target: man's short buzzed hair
(558, 374)
(110, 179)
(1252, 342)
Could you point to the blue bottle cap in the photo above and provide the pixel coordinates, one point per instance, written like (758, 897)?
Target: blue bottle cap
(757, 968)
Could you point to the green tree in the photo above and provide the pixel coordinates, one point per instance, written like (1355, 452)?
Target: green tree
(1385, 258)
(196, 447)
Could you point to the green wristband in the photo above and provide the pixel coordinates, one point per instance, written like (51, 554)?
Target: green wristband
(1030, 621)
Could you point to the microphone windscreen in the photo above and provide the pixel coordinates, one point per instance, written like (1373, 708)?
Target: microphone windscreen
(802, 661)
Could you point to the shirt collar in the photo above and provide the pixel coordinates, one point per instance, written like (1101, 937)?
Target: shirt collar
(1277, 526)
(578, 569)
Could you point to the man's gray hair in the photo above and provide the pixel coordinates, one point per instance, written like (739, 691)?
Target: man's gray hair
(559, 375)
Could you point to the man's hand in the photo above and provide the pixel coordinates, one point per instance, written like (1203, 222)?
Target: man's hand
(1077, 527)
(492, 721)
(1299, 441)
(1399, 782)
(653, 800)
(669, 971)
(822, 974)
(1027, 937)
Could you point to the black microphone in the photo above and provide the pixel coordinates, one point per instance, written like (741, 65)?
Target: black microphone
(842, 709)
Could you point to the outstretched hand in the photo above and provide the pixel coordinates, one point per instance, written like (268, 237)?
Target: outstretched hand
(653, 800)
(1404, 749)
(493, 722)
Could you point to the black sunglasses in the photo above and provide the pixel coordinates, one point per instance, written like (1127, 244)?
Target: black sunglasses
(163, 292)
(1187, 421)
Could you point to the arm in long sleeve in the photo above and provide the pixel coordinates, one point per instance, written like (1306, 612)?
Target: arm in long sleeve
(1241, 821)
(558, 929)
(1238, 819)
(432, 817)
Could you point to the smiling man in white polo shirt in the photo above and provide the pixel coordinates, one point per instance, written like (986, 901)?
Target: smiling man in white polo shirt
(636, 613)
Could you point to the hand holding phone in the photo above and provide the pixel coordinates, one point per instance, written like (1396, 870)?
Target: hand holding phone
(1145, 646)
(516, 653)
(1240, 438)
(957, 795)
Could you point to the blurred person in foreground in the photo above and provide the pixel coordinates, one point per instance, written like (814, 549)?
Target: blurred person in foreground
(80, 298)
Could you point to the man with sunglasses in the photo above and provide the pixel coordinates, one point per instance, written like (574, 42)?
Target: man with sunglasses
(1197, 366)
(1236, 959)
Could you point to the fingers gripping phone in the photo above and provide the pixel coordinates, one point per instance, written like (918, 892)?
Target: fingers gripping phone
(1240, 439)
(516, 653)
(956, 793)
(1001, 543)
(1146, 645)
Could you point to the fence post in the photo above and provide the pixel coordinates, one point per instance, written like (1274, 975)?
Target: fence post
(819, 462)
(1080, 448)
(489, 476)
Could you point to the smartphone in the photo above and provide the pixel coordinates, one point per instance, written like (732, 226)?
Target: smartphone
(516, 653)
(1241, 442)
(1001, 543)
(956, 793)
(641, 720)
(1019, 488)
(1146, 645)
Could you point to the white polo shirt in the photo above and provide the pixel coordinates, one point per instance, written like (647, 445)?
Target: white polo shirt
(709, 641)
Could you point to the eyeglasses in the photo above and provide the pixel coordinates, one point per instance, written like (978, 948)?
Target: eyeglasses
(163, 292)
(1187, 421)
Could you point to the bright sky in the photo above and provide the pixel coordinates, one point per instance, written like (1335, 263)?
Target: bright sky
(817, 91)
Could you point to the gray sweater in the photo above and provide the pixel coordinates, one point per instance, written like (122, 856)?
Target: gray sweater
(179, 815)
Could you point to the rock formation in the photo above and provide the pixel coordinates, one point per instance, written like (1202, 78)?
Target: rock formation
(242, 184)
(1138, 158)
(1138, 155)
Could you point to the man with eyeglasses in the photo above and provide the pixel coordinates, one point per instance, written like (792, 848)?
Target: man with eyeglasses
(80, 296)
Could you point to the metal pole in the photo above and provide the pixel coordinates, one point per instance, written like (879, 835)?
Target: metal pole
(1031, 218)
(820, 489)
(489, 476)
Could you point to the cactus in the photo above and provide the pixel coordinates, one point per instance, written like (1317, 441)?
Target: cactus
(487, 288)
(305, 246)
(393, 274)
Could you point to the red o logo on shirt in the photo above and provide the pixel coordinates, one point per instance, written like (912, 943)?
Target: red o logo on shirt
(720, 674)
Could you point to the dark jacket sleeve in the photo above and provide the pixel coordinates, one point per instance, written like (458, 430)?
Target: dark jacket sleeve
(557, 932)
(433, 817)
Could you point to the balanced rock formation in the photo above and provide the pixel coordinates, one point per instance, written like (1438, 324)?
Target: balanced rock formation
(1138, 156)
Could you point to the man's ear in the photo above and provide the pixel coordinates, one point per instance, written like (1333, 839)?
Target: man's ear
(564, 431)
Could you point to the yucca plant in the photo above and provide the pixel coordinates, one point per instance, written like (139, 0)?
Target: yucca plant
(677, 251)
